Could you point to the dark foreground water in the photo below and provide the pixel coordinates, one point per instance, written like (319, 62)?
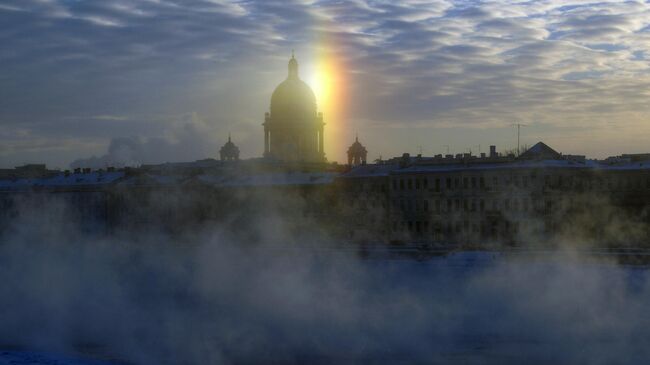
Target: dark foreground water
(221, 304)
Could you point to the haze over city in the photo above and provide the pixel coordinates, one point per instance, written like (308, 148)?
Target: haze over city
(177, 77)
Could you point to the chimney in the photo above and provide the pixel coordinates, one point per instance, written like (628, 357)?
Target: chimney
(405, 161)
(77, 170)
(86, 170)
(493, 151)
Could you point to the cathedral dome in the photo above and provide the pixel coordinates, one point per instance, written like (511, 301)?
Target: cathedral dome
(293, 100)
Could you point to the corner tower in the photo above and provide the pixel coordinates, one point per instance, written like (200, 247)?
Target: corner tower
(293, 129)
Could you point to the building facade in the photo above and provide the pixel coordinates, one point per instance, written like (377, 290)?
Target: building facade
(475, 201)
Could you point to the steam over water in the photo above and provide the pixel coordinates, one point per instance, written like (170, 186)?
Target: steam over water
(259, 294)
(216, 302)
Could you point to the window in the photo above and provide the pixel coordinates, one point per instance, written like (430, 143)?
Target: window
(401, 184)
(426, 205)
(437, 186)
(410, 184)
(425, 183)
(482, 205)
(473, 183)
(481, 182)
(465, 183)
(394, 184)
(448, 183)
(417, 184)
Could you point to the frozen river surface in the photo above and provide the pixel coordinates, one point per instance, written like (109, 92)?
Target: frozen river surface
(292, 307)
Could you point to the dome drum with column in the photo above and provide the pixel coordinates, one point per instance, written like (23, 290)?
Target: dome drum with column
(357, 153)
(229, 151)
(293, 130)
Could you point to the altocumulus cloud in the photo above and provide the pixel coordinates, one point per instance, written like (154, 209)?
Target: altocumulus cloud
(576, 71)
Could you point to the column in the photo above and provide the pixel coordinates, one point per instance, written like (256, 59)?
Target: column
(321, 148)
(266, 141)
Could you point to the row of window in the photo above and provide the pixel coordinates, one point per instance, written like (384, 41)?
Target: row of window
(466, 205)
(473, 182)
(457, 227)
(438, 184)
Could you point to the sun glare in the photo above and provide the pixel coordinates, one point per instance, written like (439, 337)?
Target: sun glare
(326, 82)
(321, 83)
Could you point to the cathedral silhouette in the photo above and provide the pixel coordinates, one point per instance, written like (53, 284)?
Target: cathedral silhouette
(293, 129)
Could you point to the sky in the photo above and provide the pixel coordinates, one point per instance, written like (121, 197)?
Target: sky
(147, 81)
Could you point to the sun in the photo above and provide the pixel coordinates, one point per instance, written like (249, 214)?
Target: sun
(326, 80)
(321, 81)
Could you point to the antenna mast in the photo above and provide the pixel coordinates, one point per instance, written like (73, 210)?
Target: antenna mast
(519, 125)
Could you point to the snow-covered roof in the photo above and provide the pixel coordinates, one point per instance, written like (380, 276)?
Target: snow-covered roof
(153, 180)
(61, 180)
(393, 169)
(530, 164)
(370, 170)
(267, 179)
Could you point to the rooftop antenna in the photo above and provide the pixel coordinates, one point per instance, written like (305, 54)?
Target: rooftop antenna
(420, 150)
(447, 146)
(519, 125)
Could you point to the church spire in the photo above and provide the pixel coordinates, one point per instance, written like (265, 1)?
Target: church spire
(293, 67)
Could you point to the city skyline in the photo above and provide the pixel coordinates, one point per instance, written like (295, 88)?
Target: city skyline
(169, 81)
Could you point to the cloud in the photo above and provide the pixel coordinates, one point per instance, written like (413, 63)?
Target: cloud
(188, 139)
(411, 63)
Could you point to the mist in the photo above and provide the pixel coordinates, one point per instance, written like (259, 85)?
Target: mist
(265, 292)
(189, 138)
